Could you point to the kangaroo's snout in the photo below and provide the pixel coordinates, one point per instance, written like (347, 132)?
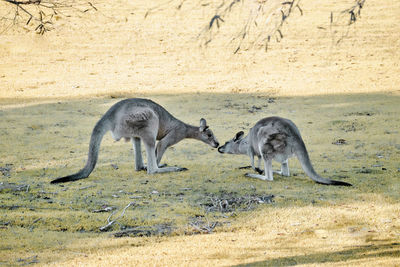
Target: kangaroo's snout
(220, 149)
(216, 144)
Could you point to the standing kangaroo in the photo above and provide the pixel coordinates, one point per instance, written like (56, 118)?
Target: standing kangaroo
(274, 138)
(142, 120)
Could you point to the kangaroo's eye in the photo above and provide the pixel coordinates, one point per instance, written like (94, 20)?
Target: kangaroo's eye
(209, 135)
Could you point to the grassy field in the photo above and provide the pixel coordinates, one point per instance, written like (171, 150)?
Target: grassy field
(332, 223)
(344, 99)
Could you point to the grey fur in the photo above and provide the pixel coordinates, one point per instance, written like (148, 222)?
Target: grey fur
(274, 138)
(142, 120)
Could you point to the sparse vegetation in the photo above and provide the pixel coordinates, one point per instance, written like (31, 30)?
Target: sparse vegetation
(212, 197)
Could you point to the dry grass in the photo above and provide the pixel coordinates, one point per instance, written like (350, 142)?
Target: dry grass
(334, 235)
(55, 87)
(49, 140)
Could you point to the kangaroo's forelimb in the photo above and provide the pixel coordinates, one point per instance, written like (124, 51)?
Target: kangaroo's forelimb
(268, 173)
(169, 140)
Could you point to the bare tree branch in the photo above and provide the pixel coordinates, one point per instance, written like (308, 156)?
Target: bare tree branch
(39, 14)
(163, 6)
(264, 22)
(340, 22)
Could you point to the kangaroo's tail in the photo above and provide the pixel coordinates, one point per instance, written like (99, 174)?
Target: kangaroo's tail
(102, 126)
(305, 162)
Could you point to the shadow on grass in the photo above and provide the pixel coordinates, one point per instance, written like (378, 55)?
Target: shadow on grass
(46, 139)
(356, 253)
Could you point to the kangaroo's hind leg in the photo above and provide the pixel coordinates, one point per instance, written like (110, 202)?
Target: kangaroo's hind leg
(268, 175)
(152, 160)
(257, 169)
(148, 136)
(143, 124)
(284, 169)
(139, 166)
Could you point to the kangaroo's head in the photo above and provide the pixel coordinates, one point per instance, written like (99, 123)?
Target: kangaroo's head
(206, 135)
(232, 145)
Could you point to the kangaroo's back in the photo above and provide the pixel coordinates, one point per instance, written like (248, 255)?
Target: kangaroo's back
(130, 106)
(275, 130)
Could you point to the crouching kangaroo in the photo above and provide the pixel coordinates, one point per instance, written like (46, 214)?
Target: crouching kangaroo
(142, 120)
(274, 138)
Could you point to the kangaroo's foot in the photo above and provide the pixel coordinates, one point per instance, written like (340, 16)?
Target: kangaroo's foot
(282, 173)
(258, 176)
(141, 168)
(167, 169)
(144, 168)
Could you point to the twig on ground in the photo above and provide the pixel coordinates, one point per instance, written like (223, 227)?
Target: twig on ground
(103, 209)
(110, 223)
(29, 260)
(14, 187)
(231, 203)
(203, 227)
(32, 225)
(158, 229)
(6, 170)
(87, 187)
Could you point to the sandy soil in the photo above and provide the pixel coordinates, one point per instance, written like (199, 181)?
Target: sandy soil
(117, 51)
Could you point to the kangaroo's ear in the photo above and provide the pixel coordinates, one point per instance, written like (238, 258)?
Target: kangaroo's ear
(203, 125)
(238, 136)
